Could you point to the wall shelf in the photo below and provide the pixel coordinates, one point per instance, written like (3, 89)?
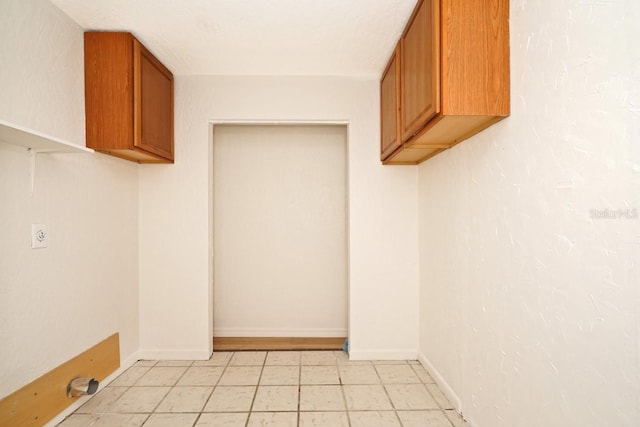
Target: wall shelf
(35, 141)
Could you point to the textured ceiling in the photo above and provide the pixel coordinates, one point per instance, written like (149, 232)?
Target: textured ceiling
(255, 37)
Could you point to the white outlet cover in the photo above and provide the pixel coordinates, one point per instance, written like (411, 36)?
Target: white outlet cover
(39, 236)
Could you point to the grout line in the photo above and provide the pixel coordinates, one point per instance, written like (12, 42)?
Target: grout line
(255, 393)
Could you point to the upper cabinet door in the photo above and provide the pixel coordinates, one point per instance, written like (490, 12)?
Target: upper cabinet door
(420, 68)
(128, 99)
(153, 102)
(390, 107)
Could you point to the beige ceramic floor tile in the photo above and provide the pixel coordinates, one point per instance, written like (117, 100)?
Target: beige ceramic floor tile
(317, 358)
(410, 397)
(374, 419)
(175, 363)
(323, 419)
(161, 376)
(283, 358)
(78, 420)
(423, 374)
(366, 398)
(280, 375)
(147, 363)
(226, 385)
(223, 420)
(423, 419)
(318, 375)
(321, 398)
(343, 359)
(102, 401)
(455, 418)
(185, 399)
(248, 358)
(358, 374)
(439, 397)
(218, 358)
(341, 356)
(241, 375)
(273, 419)
(202, 375)
(390, 362)
(276, 398)
(130, 376)
(140, 399)
(171, 420)
(397, 374)
(230, 399)
(104, 420)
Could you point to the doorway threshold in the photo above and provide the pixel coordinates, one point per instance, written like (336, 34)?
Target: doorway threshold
(277, 343)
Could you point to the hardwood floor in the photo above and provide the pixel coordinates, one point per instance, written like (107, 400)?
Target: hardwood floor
(276, 343)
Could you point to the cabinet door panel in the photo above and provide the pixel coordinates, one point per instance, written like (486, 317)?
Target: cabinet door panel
(389, 107)
(108, 90)
(154, 105)
(420, 85)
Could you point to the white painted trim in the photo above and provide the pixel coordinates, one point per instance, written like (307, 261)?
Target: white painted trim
(126, 364)
(383, 355)
(279, 333)
(444, 386)
(150, 354)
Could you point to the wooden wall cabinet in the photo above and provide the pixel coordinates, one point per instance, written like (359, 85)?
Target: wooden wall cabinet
(391, 139)
(128, 99)
(451, 68)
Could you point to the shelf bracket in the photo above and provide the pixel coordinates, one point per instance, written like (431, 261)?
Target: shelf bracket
(32, 168)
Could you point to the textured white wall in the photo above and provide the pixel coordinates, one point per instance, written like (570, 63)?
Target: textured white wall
(175, 242)
(59, 301)
(280, 235)
(529, 306)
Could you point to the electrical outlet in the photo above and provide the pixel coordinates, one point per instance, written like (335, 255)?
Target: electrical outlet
(39, 236)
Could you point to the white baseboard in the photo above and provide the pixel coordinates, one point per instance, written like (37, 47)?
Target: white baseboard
(124, 365)
(383, 355)
(150, 354)
(280, 333)
(444, 386)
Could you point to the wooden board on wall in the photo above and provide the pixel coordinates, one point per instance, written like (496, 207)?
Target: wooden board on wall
(41, 400)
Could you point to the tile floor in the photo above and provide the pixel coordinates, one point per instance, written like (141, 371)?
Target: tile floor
(278, 388)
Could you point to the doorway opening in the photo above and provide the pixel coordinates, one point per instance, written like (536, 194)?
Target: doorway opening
(280, 240)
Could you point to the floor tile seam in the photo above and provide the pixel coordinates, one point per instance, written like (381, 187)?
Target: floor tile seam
(203, 405)
(160, 385)
(299, 388)
(414, 367)
(133, 387)
(255, 391)
(395, 413)
(393, 405)
(263, 411)
(434, 397)
(344, 399)
(438, 407)
(299, 393)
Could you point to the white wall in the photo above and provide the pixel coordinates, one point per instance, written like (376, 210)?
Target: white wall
(58, 301)
(529, 307)
(280, 231)
(175, 243)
